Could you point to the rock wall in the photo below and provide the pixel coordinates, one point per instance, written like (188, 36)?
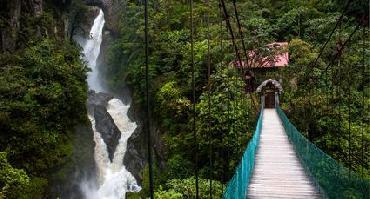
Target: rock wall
(10, 13)
(112, 10)
(136, 156)
(24, 20)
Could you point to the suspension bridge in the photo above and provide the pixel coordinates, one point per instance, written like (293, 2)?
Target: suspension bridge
(278, 172)
(279, 162)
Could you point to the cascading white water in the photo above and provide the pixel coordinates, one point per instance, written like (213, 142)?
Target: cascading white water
(117, 178)
(113, 178)
(92, 51)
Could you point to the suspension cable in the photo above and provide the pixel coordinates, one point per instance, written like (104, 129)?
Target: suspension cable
(222, 62)
(244, 50)
(209, 101)
(193, 98)
(337, 90)
(339, 20)
(240, 33)
(340, 50)
(229, 123)
(147, 113)
(349, 131)
(241, 38)
(363, 101)
(227, 19)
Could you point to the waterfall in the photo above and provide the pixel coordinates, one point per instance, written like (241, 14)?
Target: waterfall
(113, 178)
(92, 51)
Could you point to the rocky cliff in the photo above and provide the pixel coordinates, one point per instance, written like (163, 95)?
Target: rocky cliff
(136, 156)
(112, 10)
(22, 21)
(11, 23)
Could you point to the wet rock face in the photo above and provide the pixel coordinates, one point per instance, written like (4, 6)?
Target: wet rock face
(112, 10)
(104, 123)
(136, 156)
(37, 7)
(98, 3)
(10, 13)
(97, 99)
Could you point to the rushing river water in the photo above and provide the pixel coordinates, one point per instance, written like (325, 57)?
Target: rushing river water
(113, 178)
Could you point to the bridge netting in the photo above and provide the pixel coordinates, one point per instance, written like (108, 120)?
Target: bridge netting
(238, 185)
(331, 178)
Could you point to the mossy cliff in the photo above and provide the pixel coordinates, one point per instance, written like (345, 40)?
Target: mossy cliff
(43, 94)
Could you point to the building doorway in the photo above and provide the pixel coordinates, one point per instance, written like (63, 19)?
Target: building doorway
(269, 91)
(270, 100)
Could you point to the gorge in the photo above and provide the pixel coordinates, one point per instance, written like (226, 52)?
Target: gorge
(111, 127)
(76, 96)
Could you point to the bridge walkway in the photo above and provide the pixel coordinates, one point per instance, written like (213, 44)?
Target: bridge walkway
(278, 172)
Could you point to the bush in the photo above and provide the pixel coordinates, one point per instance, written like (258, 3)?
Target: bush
(185, 188)
(13, 182)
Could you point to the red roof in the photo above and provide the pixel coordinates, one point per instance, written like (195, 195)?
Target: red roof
(281, 58)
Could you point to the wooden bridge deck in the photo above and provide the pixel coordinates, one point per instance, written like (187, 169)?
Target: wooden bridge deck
(278, 172)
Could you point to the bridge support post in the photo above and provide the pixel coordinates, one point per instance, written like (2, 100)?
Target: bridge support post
(276, 99)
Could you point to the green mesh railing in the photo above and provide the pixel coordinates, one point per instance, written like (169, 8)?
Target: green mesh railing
(238, 185)
(331, 178)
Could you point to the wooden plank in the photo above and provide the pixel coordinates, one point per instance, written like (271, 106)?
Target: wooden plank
(278, 172)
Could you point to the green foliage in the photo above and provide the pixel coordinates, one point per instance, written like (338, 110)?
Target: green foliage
(171, 79)
(13, 182)
(294, 22)
(35, 88)
(178, 167)
(185, 188)
(328, 102)
(225, 120)
(171, 100)
(167, 194)
(43, 95)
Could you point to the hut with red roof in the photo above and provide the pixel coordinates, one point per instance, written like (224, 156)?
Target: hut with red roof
(278, 58)
(271, 58)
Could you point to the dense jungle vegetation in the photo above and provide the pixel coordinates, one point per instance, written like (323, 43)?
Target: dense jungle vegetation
(43, 89)
(328, 101)
(43, 93)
